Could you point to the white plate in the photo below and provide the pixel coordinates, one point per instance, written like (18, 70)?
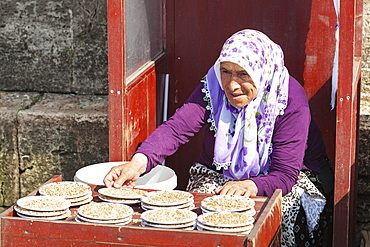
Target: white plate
(120, 221)
(121, 201)
(166, 213)
(159, 178)
(189, 207)
(24, 211)
(43, 203)
(201, 219)
(249, 212)
(190, 226)
(172, 226)
(185, 205)
(205, 203)
(117, 224)
(66, 185)
(225, 229)
(200, 228)
(58, 217)
(107, 192)
(106, 207)
(148, 198)
(81, 198)
(79, 203)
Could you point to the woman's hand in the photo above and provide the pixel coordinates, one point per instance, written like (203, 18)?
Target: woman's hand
(125, 174)
(239, 188)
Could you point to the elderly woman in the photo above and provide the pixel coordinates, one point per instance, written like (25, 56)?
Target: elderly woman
(260, 138)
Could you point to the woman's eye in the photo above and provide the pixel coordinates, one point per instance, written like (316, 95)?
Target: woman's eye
(244, 75)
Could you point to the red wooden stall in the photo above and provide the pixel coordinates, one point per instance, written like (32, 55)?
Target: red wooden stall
(19, 231)
(192, 34)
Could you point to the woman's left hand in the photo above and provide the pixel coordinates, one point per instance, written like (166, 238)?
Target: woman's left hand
(239, 188)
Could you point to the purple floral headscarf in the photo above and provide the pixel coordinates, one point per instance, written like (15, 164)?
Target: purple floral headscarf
(243, 135)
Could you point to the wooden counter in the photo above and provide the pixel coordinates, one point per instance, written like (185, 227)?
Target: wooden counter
(17, 231)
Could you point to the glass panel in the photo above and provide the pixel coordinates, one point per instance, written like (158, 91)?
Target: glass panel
(143, 32)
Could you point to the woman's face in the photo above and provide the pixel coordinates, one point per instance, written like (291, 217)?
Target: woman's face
(237, 84)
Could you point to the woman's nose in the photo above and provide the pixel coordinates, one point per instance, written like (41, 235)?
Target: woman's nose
(233, 83)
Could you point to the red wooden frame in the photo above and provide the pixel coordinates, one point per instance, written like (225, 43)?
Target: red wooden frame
(132, 101)
(116, 74)
(346, 151)
(347, 109)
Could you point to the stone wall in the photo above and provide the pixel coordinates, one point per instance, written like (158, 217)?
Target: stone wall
(54, 103)
(46, 134)
(54, 46)
(54, 86)
(363, 193)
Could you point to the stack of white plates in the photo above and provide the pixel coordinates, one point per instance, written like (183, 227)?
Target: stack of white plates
(170, 218)
(76, 193)
(122, 195)
(105, 213)
(231, 203)
(43, 207)
(167, 199)
(230, 222)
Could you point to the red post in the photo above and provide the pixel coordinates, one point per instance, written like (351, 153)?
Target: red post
(116, 74)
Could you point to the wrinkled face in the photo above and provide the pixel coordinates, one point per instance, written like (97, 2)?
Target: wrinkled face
(237, 84)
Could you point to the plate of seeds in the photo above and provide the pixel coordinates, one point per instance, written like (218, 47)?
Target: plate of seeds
(66, 189)
(43, 203)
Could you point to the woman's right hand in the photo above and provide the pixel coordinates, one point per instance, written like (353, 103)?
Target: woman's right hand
(125, 174)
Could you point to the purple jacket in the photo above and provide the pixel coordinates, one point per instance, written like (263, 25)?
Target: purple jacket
(297, 141)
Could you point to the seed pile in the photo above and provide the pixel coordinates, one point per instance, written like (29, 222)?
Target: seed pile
(121, 195)
(225, 221)
(229, 203)
(105, 213)
(169, 218)
(167, 199)
(76, 193)
(43, 207)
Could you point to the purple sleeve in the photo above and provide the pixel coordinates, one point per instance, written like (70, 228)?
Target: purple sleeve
(177, 130)
(288, 148)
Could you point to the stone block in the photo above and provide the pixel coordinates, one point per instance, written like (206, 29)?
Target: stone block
(59, 135)
(364, 146)
(363, 209)
(362, 230)
(53, 46)
(90, 47)
(10, 105)
(363, 186)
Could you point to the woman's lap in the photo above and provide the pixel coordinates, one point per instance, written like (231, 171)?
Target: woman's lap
(295, 229)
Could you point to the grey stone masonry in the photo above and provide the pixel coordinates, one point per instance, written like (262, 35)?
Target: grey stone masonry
(44, 135)
(10, 105)
(363, 192)
(54, 46)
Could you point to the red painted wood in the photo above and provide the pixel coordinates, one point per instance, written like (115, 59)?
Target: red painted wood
(347, 124)
(132, 104)
(116, 74)
(196, 31)
(318, 61)
(269, 222)
(140, 109)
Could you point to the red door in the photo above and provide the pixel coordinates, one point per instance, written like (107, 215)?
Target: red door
(196, 31)
(136, 62)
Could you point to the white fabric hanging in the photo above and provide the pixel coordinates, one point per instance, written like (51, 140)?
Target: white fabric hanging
(334, 83)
